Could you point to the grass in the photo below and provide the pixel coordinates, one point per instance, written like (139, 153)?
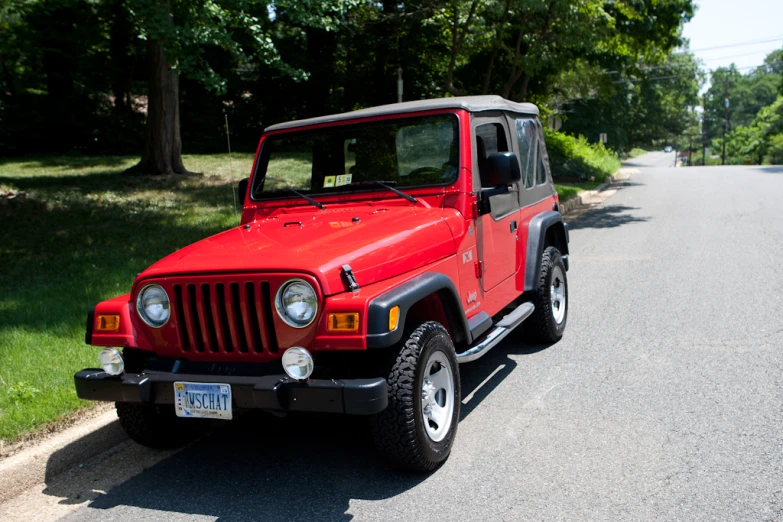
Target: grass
(575, 159)
(578, 165)
(75, 232)
(569, 190)
(636, 152)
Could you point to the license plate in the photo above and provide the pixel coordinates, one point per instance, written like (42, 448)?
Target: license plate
(203, 401)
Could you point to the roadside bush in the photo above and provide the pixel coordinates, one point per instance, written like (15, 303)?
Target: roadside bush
(775, 150)
(577, 159)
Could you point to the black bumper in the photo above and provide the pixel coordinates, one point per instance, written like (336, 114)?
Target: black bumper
(270, 392)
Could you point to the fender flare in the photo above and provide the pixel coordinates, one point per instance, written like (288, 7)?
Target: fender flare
(536, 239)
(405, 296)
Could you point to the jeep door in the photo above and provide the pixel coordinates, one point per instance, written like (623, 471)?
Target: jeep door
(496, 230)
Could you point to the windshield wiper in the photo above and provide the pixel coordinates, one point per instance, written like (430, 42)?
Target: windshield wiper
(386, 185)
(294, 191)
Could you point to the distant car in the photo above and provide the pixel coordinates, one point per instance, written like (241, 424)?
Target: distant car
(667, 148)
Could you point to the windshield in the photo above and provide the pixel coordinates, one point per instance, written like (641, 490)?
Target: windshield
(409, 152)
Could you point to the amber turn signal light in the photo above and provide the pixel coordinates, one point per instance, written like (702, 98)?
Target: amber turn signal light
(108, 323)
(394, 318)
(345, 322)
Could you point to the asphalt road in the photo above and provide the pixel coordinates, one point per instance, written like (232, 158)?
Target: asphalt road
(664, 400)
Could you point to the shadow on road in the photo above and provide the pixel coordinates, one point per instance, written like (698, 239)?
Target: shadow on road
(302, 467)
(607, 216)
(776, 169)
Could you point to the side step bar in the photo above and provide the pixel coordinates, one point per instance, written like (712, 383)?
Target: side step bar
(497, 334)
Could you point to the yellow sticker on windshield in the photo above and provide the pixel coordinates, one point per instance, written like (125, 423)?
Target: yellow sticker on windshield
(343, 179)
(328, 181)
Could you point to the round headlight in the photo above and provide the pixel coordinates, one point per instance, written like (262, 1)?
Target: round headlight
(111, 361)
(298, 363)
(153, 305)
(297, 303)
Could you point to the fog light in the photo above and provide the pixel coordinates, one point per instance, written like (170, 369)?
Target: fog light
(298, 363)
(111, 361)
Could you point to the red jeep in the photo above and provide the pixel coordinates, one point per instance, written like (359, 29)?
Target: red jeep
(378, 249)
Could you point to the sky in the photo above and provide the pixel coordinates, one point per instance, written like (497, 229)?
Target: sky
(742, 28)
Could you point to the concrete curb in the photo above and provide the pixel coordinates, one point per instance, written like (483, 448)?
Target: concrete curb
(59, 453)
(588, 197)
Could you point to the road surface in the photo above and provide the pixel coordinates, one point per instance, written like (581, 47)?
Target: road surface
(664, 400)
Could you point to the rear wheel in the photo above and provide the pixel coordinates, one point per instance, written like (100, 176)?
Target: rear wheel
(416, 431)
(551, 298)
(157, 426)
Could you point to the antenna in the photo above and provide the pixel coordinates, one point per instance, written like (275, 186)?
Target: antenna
(231, 165)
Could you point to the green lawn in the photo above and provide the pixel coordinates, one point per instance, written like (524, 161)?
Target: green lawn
(75, 232)
(568, 190)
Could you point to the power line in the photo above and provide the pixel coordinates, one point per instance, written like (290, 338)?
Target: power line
(739, 44)
(735, 55)
(671, 77)
(679, 66)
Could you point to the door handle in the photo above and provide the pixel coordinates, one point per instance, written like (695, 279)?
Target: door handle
(513, 226)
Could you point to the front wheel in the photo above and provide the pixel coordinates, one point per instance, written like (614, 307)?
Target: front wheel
(416, 431)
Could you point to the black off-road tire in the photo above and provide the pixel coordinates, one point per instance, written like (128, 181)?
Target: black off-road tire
(399, 431)
(542, 325)
(157, 426)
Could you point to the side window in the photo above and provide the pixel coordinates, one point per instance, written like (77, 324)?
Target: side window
(527, 138)
(490, 139)
(541, 172)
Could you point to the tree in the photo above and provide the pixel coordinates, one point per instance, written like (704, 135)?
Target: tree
(759, 141)
(177, 34)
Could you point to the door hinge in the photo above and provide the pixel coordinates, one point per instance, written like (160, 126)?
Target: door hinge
(479, 269)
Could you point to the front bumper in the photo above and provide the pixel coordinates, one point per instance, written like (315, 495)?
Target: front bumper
(269, 392)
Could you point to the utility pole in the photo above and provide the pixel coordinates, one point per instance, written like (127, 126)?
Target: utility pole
(399, 85)
(725, 120)
(704, 131)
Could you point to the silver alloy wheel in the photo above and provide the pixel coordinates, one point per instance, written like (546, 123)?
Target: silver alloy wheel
(437, 396)
(557, 295)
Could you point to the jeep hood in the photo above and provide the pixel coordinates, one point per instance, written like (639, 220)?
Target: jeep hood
(378, 243)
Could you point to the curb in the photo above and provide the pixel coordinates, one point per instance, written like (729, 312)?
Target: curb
(69, 448)
(581, 200)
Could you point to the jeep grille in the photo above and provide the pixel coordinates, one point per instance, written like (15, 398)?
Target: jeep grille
(232, 317)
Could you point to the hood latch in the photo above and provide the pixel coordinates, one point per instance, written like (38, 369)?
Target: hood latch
(349, 279)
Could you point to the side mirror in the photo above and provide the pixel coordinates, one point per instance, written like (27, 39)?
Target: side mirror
(242, 191)
(503, 169)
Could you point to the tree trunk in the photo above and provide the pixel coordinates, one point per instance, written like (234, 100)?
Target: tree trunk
(163, 149)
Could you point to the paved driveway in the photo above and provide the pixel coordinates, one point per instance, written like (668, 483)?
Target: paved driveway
(664, 400)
